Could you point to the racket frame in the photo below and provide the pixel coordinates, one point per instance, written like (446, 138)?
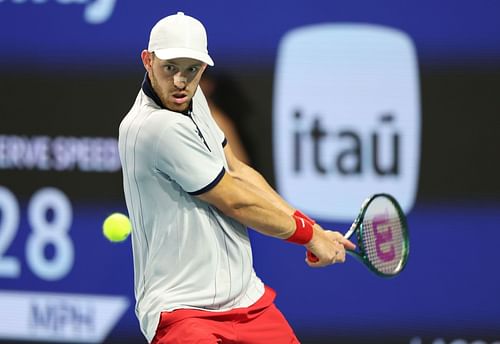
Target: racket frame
(357, 227)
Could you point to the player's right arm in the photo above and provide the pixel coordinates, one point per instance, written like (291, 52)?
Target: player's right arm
(241, 202)
(245, 204)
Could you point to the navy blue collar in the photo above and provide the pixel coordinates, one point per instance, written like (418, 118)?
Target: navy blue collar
(147, 88)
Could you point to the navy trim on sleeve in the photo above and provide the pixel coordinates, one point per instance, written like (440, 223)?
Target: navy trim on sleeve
(211, 185)
(224, 143)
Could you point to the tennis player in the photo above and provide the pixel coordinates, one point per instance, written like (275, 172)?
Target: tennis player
(190, 201)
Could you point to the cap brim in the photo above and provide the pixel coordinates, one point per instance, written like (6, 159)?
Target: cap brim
(175, 53)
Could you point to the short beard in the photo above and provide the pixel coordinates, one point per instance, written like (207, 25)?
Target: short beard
(154, 83)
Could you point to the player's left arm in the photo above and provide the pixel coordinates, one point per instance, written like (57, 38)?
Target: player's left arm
(246, 174)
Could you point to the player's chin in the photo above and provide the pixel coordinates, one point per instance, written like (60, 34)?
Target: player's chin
(178, 107)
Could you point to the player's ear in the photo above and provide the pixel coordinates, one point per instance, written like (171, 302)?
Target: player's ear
(147, 59)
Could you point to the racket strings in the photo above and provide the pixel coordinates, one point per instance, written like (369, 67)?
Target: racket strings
(384, 244)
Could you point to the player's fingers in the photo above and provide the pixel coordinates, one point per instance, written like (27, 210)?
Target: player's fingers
(329, 259)
(337, 236)
(347, 244)
(311, 257)
(317, 264)
(334, 235)
(340, 256)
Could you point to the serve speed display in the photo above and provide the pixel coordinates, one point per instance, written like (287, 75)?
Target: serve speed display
(61, 280)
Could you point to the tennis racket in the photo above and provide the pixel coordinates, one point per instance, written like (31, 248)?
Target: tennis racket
(382, 236)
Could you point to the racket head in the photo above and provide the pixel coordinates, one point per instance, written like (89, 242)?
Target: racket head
(382, 235)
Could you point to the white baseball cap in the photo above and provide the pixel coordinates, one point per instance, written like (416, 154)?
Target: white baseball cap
(178, 36)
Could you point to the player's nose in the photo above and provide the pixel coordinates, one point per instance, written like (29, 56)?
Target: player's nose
(180, 81)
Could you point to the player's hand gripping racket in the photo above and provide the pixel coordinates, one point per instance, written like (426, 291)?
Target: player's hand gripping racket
(382, 236)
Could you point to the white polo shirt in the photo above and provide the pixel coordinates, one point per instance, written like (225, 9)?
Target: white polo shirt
(187, 254)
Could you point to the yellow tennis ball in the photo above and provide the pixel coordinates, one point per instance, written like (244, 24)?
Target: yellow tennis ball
(116, 227)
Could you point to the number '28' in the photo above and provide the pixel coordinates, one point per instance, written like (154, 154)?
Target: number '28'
(43, 233)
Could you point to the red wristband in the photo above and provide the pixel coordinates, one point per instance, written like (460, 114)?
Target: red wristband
(310, 256)
(304, 216)
(303, 231)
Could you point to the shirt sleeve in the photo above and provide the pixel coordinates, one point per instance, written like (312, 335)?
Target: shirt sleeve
(184, 157)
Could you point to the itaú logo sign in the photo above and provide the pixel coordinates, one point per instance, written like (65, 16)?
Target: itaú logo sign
(346, 118)
(96, 11)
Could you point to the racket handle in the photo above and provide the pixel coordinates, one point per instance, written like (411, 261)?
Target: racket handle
(311, 257)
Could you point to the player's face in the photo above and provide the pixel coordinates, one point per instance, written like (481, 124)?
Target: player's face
(175, 81)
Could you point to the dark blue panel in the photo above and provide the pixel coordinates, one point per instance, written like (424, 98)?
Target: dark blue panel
(50, 33)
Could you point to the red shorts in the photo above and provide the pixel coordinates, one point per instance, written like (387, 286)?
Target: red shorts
(261, 323)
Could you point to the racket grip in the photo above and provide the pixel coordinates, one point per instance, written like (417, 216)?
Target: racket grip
(311, 257)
